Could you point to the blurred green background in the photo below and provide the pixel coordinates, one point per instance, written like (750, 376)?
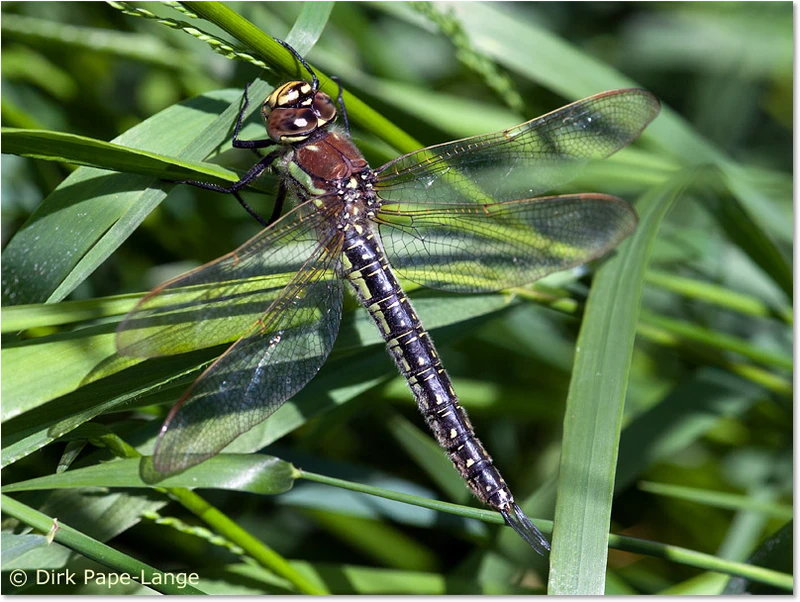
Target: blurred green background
(724, 74)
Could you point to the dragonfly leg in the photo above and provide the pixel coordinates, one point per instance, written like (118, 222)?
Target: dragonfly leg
(279, 199)
(252, 211)
(237, 142)
(301, 60)
(341, 104)
(251, 175)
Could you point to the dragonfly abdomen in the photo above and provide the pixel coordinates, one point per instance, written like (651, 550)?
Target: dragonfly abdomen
(376, 286)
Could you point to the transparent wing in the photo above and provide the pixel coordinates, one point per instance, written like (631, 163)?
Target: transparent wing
(476, 248)
(260, 371)
(219, 302)
(283, 345)
(523, 161)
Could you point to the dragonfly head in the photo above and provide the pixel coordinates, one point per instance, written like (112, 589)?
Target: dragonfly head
(296, 110)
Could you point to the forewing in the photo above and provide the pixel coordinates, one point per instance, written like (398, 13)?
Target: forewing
(219, 302)
(280, 295)
(283, 351)
(523, 161)
(476, 248)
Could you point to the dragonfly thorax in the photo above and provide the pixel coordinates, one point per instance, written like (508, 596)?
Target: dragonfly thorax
(295, 111)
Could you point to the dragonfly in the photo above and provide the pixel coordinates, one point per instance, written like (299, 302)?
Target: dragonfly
(464, 216)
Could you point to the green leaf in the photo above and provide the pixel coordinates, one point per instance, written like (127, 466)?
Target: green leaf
(23, 317)
(91, 548)
(775, 553)
(37, 427)
(93, 211)
(688, 412)
(15, 545)
(343, 579)
(629, 544)
(80, 150)
(705, 584)
(719, 499)
(253, 473)
(309, 26)
(595, 404)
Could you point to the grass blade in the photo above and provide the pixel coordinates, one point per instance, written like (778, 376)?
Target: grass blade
(264, 475)
(91, 548)
(595, 404)
(80, 150)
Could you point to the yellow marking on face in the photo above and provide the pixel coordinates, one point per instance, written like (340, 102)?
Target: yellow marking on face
(353, 183)
(305, 88)
(298, 138)
(287, 97)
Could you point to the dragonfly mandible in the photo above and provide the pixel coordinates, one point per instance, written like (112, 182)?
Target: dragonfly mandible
(460, 217)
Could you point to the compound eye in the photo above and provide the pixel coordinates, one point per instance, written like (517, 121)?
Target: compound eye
(266, 109)
(324, 108)
(291, 125)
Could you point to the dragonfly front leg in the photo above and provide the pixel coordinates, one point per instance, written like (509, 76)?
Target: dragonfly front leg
(342, 108)
(254, 171)
(265, 161)
(237, 142)
(234, 188)
(279, 199)
(245, 180)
